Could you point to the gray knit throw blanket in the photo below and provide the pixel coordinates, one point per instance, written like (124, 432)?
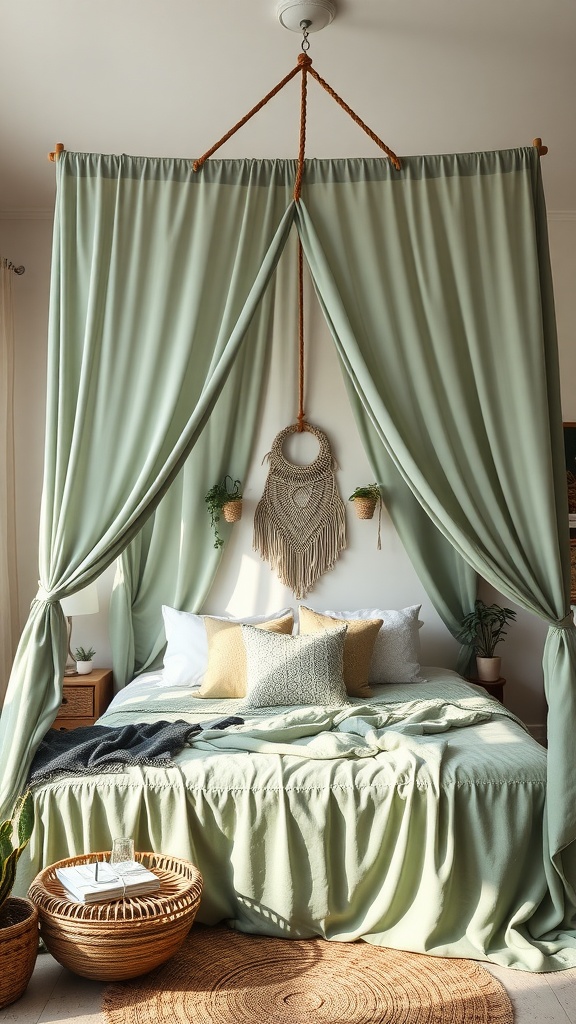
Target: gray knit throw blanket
(300, 522)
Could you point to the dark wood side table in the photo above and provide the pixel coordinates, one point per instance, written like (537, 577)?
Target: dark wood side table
(495, 689)
(84, 698)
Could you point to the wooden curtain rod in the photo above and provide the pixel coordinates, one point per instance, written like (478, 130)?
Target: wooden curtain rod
(59, 147)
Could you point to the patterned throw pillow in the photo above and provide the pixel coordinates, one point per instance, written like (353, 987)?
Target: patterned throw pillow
(396, 655)
(226, 672)
(285, 670)
(358, 646)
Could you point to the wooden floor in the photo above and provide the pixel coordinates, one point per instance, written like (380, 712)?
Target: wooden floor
(55, 994)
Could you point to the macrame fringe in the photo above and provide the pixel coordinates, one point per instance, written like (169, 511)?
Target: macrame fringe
(300, 569)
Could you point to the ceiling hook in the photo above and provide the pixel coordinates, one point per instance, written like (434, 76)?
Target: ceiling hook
(305, 25)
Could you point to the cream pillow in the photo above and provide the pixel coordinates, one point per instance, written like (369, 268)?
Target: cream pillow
(358, 645)
(225, 674)
(396, 655)
(186, 654)
(285, 670)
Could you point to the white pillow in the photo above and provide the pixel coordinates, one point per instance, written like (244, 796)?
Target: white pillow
(396, 654)
(186, 655)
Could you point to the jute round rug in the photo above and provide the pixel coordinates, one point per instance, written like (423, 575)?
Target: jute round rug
(224, 977)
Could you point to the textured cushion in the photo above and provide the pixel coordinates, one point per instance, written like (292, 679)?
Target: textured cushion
(226, 672)
(358, 645)
(286, 670)
(396, 654)
(186, 655)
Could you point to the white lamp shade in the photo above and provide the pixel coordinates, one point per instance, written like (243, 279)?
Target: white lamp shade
(84, 602)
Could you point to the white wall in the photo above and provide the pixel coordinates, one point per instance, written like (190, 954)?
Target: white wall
(363, 576)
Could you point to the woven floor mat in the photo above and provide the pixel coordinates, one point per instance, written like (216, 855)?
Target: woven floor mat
(224, 977)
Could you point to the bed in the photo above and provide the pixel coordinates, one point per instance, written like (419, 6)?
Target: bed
(411, 819)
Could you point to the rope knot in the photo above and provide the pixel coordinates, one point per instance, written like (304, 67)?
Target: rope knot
(304, 60)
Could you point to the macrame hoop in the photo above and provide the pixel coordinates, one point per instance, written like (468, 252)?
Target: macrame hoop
(300, 522)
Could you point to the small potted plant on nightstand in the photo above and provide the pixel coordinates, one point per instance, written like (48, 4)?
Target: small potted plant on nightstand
(18, 916)
(84, 657)
(482, 629)
(224, 498)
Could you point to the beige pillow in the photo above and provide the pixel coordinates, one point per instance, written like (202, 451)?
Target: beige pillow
(226, 672)
(358, 646)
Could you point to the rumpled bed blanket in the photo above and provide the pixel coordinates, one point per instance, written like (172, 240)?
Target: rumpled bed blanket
(95, 748)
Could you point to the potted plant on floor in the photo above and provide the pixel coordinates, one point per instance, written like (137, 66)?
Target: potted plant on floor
(18, 916)
(83, 657)
(224, 498)
(365, 500)
(482, 629)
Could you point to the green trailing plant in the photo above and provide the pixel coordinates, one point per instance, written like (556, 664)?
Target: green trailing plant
(15, 834)
(227, 490)
(484, 627)
(371, 491)
(84, 654)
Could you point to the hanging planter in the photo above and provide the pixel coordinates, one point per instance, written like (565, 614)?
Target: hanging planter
(365, 500)
(232, 510)
(224, 499)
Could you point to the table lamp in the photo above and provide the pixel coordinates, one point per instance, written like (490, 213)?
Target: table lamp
(83, 602)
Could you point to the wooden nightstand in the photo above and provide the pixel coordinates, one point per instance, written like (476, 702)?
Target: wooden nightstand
(84, 699)
(495, 689)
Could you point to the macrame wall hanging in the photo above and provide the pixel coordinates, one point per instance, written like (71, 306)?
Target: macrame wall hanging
(300, 521)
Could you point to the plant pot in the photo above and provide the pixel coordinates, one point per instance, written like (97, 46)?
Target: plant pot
(365, 507)
(18, 947)
(488, 669)
(232, 510)
(84, 667)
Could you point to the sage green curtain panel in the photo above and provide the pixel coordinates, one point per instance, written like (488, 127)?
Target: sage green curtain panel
(173, 559)
(156, 276)
(436, 284)
(450, 581)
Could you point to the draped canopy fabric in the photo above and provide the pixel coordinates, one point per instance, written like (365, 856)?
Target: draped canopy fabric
(435, 282)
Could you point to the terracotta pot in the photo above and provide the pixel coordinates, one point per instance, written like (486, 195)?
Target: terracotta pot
(488, 669)
(18, 947)
(365, 507)
(232, 510)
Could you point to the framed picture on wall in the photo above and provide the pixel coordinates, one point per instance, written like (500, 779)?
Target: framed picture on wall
(573, 571)
(570, 455)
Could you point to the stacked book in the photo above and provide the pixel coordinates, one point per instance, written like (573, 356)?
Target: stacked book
(98, 880)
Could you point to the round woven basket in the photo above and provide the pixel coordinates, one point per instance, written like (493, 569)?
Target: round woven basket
(232, 510)
(18, 947)
(365, 507)
(122, 938)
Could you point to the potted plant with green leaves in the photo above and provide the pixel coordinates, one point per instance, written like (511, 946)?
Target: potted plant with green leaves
(365, 500)
(84, 657)
(224, 499)
(18, 916)
(484, 628)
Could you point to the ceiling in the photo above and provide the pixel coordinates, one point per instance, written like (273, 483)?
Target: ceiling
(170, 77)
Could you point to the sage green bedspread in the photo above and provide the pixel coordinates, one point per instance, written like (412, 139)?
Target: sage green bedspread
(413, 821)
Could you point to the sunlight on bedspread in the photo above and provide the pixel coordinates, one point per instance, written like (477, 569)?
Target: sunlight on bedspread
(413, 821)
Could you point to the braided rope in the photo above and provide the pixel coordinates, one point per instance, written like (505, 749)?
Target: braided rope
(355, 118)
(299, 523)
(300, 417)
(292, 74)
